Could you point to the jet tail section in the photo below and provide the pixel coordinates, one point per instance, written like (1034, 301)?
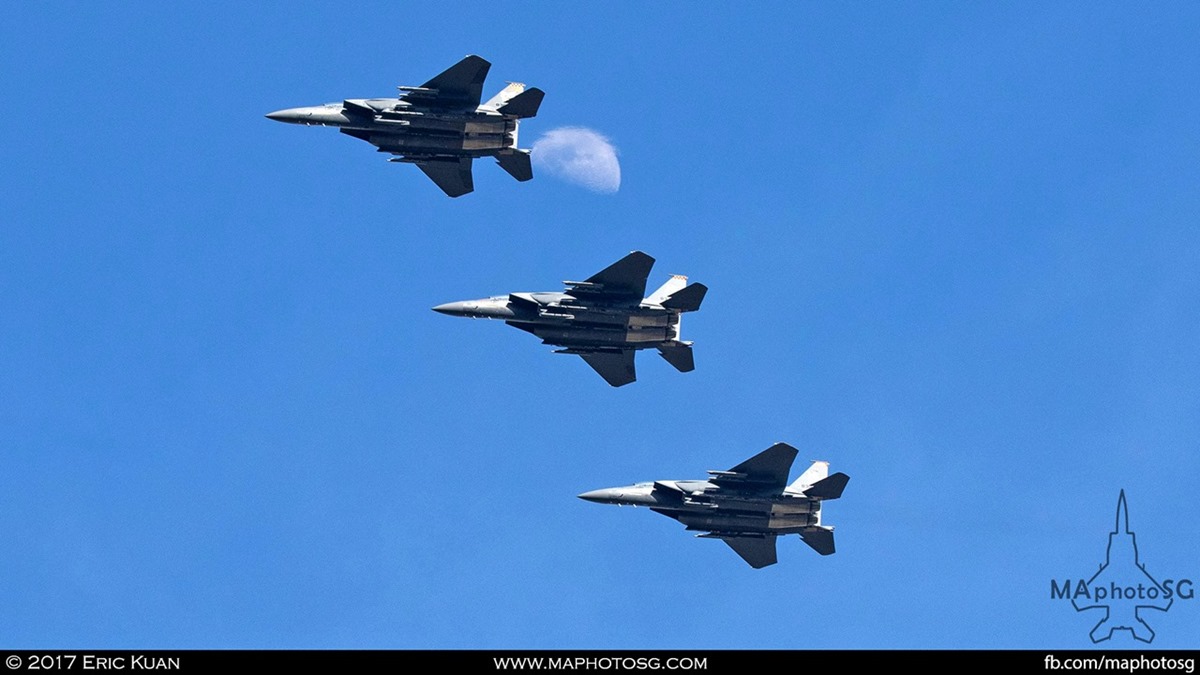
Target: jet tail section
(680, 356)
(523, 105)
(688, 299)
(517, 165)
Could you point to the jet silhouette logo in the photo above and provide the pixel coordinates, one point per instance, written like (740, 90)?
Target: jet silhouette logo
(1122, 587)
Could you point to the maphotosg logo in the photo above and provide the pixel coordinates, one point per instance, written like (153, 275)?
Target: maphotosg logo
(1122, 587)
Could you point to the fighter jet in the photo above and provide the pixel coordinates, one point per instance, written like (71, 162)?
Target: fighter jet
(604, 319)
(439, 126)
(747, 507)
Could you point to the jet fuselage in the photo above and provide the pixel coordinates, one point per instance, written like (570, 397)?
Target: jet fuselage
(605, 320)
(395, 125)
(748, 507)
(563, 320)
(440, 126)
(701, 505)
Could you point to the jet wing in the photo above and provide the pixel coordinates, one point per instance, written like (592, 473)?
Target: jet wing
(615, 367)
(622, 281)
(459, 86)
(767, 469)
(759, 552)
(453, 176)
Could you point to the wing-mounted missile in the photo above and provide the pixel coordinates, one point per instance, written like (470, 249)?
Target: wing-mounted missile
(583, 286)
(411, 93)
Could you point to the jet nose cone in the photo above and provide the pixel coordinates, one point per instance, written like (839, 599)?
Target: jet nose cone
(292, 115)
(452, 308)
(604, 496)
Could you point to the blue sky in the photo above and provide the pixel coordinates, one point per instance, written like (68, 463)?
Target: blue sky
(951, 248)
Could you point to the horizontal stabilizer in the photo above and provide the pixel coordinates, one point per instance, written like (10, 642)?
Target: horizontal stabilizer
(687, 299)
(759, 552)
(828, 488)
(679, 356)
(523, 105)
(819, 538)
(517, 165)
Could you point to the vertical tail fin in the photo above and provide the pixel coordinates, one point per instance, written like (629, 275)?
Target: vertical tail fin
(675, 283)
(505, 95)
(814, 474)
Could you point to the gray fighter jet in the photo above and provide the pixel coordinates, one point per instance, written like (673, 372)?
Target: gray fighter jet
(439, 126)
(604, 319)
(747, 507)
